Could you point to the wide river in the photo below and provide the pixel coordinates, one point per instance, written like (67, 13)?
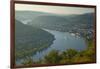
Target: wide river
(63, 41)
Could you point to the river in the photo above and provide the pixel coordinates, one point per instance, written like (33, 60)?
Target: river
(63, 41)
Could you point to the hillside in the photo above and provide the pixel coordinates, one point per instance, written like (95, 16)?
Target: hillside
(81, 24)
(29, 40)
(78, 24)
(64, 23)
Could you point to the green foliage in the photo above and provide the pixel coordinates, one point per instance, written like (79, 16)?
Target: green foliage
(53, 57)
(70, 53)
(79, 59)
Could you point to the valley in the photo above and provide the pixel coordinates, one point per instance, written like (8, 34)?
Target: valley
(38, 33)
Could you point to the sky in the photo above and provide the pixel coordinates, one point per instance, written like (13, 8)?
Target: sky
(53, 9)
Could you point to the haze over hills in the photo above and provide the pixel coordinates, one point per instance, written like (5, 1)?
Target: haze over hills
(39, 18)
(81, 23)
(28, 15)
(77, 24)
(63, 22)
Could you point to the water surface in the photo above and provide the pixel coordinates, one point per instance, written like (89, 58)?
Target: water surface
(63, 41)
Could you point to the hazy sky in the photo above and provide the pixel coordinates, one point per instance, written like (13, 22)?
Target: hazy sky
(53, 9)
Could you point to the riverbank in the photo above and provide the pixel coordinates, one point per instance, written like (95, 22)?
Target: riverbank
(62, 42)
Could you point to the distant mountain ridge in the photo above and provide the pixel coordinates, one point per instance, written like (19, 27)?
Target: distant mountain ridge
(78, 23)
(64, 23)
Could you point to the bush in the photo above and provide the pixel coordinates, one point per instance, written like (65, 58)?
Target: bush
(53, 57)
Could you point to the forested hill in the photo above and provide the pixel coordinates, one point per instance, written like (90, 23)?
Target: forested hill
(56, 22)
(30, 39)
(81, 24)
(64, 22)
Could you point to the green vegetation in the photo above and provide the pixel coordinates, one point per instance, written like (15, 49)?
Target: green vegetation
(29, 40)
(69, 56)
(53, 57)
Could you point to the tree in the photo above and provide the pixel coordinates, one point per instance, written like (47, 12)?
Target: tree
(53, 57)
(70, 53)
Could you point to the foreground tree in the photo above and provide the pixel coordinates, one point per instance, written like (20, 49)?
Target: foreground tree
(53, 57)
(70, 53)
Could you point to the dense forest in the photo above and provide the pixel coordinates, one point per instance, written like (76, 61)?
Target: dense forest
(29, 40)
